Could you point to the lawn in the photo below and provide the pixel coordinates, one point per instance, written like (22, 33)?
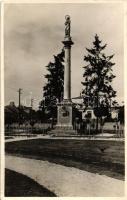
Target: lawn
(103, 157)
(26, 187)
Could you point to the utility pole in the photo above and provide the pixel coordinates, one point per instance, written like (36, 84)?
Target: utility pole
(31, 114)
(19, 91)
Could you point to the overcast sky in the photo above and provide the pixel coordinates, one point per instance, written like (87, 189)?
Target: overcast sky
(33, 34)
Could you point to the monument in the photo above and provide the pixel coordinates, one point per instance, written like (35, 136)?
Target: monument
(65, 108)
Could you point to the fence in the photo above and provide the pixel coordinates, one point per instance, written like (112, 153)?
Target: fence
(109, 129)
(26, 129)
(80, 127)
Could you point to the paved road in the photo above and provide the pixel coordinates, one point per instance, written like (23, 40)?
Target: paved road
(66, 181)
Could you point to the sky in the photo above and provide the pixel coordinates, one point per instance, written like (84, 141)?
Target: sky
(33, 34)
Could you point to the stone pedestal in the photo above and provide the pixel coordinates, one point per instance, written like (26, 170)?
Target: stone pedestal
(64, 126)
(64, 115)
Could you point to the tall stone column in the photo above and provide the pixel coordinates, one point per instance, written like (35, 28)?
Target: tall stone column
(67, 68)
(65, 108)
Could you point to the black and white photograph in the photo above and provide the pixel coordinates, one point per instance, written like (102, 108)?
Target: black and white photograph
(64, 104)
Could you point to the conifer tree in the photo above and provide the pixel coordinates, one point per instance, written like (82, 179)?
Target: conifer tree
(53, 90)
(98, 91)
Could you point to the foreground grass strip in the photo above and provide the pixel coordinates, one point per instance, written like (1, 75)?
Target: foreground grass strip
(19, 185)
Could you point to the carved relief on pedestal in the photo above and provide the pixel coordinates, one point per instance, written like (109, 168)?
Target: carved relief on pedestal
(65, 112)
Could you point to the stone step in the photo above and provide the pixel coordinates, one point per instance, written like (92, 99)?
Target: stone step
(63, 127)
(62, 132)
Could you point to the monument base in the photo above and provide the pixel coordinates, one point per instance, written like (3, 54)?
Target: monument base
(64, 114)
(64, 126)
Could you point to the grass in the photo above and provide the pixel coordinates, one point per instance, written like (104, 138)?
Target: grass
(18, 185)
(103, 157)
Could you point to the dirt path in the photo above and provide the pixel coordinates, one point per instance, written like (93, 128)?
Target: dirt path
(66, 181)
(20, 138)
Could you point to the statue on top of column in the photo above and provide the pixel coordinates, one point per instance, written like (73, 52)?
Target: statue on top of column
(67, 26)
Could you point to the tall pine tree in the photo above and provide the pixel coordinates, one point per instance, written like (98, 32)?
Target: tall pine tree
(53, 90)
(98, 91)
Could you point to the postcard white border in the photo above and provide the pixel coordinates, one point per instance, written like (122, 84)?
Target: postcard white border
(2, 164)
